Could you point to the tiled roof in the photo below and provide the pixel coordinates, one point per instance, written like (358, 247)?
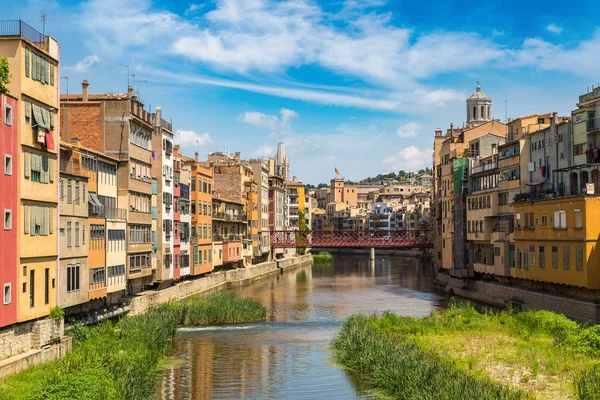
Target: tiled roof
(93, 96)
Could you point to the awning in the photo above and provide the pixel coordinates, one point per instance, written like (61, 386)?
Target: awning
(40, 117)
(49, 140)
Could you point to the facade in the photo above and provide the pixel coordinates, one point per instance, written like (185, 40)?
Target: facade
(185, 227)
(341, 193)
(201, 211)
(252, 241)
(230, 228)
(479, 108)
(34, 65)
(297, 204)
(163, 172)
(9, 206)
(260, 172)
(118, 126)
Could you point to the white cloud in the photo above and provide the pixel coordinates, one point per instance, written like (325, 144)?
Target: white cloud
(264, 151)
(84, 64)
(581, 60)
(554, 29)
(411, 129)
(275, 124)
(410, 158)
(190, 140)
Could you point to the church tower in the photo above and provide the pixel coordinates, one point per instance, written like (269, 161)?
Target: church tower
(479, 108)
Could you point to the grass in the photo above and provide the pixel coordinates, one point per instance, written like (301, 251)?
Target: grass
(322, 259)
(496, 354)
(120, 360)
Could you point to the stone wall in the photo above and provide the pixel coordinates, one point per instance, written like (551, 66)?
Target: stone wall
(498, 294)
(35, 357)
(27, 336)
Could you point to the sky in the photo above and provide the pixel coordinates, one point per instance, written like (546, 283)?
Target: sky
(357, 85)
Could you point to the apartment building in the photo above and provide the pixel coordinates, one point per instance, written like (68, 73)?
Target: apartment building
(230, 228)
(34, 65)
(9, 206)
(260, 173)
(341, 193)
(162, 170)
(177, 234)
(201, 211)
(185, 227)
(297, 204)
(118, 126)
(252, 206)
(586, 142)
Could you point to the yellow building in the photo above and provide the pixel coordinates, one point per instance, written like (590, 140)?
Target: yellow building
(33, 63)
(296, 204)
(557, 241)
(253, 212)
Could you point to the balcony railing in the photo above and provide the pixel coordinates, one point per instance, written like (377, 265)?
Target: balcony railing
(485, 167)
(593, 125)
(229, 217)
(20, 28)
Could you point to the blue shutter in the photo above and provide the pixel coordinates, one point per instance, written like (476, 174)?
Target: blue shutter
(154, 190)
(153, 212)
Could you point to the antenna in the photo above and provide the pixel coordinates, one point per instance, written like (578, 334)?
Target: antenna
(126, 65)
(505, 108)
(43, 19)
(66, 77)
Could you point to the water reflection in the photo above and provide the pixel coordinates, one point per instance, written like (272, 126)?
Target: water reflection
(287, 357)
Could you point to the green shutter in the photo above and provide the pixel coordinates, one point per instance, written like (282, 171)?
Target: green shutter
(51, 169)
(27, 162)
(25, 219)
(27, 55)
(44, 218)
(50, 221)
(52, 74)
(51, 120)
(27, 111)
(44, 174)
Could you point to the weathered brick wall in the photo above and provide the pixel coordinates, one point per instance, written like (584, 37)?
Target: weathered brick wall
(228, 186)
(82, 120)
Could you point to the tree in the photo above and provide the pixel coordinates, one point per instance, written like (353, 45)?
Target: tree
(379, 199)
(301, 235)
(421, 171)
(401, 173)
(4, 75)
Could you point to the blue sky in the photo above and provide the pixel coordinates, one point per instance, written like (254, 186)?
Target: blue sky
(358, 84)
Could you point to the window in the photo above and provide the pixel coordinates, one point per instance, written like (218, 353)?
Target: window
(542, 257)
(544, 220)
(566, 257)
(7, 220)
(69, 233)
(560, 219)
(77, 199)
(579, 258)
(7, 164)
(8, 115)
(97, 276)
(69, 192)
(578, 219)
(532, 255)
(554, 257)
(73, 278)
(7, 294)
(76, 234)
(31, 288)
(46, 285)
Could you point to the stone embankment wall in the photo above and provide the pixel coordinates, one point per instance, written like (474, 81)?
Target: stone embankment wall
(498, 294)
(215, 281)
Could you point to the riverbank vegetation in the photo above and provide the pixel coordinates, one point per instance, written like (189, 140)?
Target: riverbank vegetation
(322, 259)
(467, 354)
(120, 360)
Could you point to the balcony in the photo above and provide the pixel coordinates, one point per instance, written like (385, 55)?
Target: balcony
(230, 217)
(20, 28)
(593, 126)
(485, 167)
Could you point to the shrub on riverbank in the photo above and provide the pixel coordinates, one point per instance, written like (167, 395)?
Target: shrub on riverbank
(322, 259)
(497, 354)
(121, 360)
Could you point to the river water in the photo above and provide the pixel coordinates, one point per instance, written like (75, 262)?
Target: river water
(287, 357)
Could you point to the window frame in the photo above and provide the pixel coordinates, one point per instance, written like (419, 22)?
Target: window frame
(8, 158)
(6, 301)
(8, 112)
(8, 212)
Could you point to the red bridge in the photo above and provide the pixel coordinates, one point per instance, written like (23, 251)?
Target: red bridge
(416, 239)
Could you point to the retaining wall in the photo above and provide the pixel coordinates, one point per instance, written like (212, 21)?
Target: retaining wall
(498, 294)
(35, 357)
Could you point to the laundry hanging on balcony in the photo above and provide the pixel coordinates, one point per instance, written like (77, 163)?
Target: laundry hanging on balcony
(43, 120)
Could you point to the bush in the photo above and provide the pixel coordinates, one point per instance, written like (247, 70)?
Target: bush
(322, 259)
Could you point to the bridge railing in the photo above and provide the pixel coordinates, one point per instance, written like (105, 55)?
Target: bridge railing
(349, 238)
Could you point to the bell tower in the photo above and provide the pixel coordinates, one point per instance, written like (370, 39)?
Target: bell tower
(479, 108)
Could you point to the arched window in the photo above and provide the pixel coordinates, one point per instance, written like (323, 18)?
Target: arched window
(482, 113)
(474, 112)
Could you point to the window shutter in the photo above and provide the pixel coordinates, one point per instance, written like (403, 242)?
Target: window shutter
(51, 74)
(556, 219)
(27, 56)
(27, 162)
(26, 219)
(51, 169)
(50, 221)
(32, 217)
(28, 111)
(44, 174)
(563, 219)
(44, 218)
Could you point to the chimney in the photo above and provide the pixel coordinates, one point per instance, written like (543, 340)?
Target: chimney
(196, 156)
(84, 89)
(237, 155)
(130, 91)
(158, 116)
(451, 130)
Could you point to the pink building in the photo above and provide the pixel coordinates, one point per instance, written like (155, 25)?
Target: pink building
(9, 204)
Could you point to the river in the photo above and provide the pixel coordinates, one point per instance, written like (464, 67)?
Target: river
(287, 357)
